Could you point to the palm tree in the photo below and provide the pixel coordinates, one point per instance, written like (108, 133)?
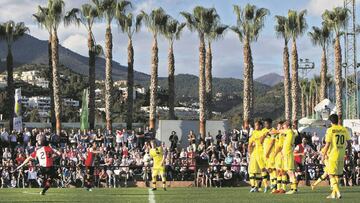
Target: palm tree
(86, 15)
(303, 86)
(130, 26)
(217, 31)
(43, 19)
(297, 26)
(201, 20)
(282, 31)
(337, 19)
(322, 37)
(156, 23)
(172, 32)
(250, 21)
(11, 31)
(55, 15)
(107, 9)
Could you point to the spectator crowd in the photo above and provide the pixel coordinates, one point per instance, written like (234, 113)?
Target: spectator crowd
(213, 161)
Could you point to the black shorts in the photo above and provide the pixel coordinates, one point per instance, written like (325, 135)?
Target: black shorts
(48, 172)
(89, 171)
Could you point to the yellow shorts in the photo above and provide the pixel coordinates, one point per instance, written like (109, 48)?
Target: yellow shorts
(289, 162)
(260, 161)
(279, 162)
(158, 171)
(335, 167)
(253, 166)
(270, 162)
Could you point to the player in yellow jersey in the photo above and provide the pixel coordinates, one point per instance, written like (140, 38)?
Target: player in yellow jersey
(281, 177)
(269, 152)
(268, 146)
(337, 138)
(158, 156)
(255, 149)
(288, 156)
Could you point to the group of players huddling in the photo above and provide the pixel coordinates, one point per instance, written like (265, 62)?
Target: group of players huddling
(46, 154)
(271, 153)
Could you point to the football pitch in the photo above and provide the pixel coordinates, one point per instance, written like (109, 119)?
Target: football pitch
(173, 195)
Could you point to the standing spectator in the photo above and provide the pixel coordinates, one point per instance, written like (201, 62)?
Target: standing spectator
(192, 139)
(174, 139)
(208, 139)
(218, 137)
(5, 138)
(131, 140)
(316, 141)
(13, 141)
(140, 138)
(26, 137)
(109, 137)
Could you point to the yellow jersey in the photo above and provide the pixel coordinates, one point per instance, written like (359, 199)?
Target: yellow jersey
(256, 138)
(289, 141)
(337, 136)
(157, 155)
(268, 139)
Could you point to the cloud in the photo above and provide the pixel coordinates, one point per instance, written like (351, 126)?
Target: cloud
(317, 7)
(76, 43)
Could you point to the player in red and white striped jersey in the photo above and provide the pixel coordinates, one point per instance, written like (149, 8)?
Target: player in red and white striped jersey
(89, 165)
(44, 155)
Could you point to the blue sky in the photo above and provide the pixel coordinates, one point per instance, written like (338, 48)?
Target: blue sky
(227, 52)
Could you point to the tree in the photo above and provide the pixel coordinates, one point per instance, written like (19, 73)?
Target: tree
(11, 31)
(155, 21)
(322, 37)
(282, 31)
(108, 9)
(304, 94)
(43, 19)
(200, 21)
(172, 32)
(87, 15)
(297, 26)
(216, 32)
(130, 26)
(250, 21)
(336, 19)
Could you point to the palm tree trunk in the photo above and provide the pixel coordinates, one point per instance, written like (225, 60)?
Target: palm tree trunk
(92, 59)
(303, 110)
(286, 81)
(338, 78)
(171, 81)
(130, 85)
(323, 79)
(56, 80)
(153, 83)
(52, 109)
(10, 87)
(108, 77)
(202, 99)
(208, 80)
(247, 81)
(294, 82)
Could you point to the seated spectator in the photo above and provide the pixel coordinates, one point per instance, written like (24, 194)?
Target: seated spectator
(228, 177)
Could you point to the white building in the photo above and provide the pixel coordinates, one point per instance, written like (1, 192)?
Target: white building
(43, 103)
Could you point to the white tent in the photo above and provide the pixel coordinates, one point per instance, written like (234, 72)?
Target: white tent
(325, 104)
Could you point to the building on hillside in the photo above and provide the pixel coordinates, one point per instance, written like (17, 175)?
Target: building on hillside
(182, 113)
(120, 83)
(43, 103)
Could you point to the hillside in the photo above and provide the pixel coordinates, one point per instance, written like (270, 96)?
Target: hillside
(270, 79)
(30, 50)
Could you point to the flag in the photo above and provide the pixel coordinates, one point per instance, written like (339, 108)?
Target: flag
(84, 123)
(17, 121)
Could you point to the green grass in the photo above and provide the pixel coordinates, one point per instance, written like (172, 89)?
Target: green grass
(173, 195)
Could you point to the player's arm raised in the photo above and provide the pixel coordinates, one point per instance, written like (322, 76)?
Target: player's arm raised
(272, 143)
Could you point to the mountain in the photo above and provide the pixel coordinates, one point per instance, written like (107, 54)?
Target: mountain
(270, 79)
(30, 50)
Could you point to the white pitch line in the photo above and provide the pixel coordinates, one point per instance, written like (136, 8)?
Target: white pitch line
(31, 193)
(151, 196)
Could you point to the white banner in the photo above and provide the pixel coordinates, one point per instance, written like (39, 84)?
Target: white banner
(17, 111)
